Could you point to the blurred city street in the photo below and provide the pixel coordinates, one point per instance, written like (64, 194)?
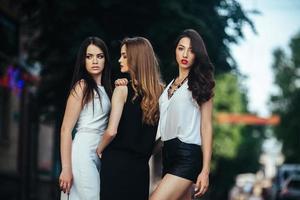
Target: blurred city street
(253, 44)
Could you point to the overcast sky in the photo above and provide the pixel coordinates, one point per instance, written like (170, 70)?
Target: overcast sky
(278, 22)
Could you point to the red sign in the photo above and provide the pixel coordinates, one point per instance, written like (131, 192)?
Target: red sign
(248, 119)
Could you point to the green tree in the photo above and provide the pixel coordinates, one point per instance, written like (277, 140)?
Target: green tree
(228, 98)
(286, 101)
(60, 26)
(236, 147)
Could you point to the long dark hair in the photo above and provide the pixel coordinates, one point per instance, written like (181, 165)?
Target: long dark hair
(81, 74)
(200, 79)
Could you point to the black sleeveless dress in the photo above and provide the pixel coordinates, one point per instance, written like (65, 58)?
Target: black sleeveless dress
(124, 170)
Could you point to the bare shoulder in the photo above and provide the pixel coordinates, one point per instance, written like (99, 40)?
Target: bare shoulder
(80, 85)
(120, 92)
(78, 89)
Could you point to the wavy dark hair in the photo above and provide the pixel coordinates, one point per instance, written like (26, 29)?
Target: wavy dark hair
(81, 74)
(200, 79)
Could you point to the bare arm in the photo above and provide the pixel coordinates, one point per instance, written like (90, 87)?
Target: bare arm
(157, 147)
(206, 134)
(206, 138)
(71, 115)
(118, 100)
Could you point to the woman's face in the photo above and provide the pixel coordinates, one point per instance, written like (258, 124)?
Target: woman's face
(184, 55)
(123, 60)
(94, 60)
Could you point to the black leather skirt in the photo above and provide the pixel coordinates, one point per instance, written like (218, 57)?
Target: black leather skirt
(182, 159)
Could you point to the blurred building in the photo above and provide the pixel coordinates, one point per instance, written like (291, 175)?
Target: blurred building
(27, 167)
(10, 99)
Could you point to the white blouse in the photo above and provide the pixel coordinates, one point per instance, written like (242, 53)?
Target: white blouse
(179, 116)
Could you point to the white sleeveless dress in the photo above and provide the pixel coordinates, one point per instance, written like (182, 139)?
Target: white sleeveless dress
(91, 125)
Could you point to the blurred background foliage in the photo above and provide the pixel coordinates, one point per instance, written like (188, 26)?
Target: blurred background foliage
(58, 27)
(285, 101)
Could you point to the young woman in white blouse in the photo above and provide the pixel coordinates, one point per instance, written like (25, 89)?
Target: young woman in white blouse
(185, 123)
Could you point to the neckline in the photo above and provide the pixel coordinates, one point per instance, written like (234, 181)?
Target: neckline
(169, 96)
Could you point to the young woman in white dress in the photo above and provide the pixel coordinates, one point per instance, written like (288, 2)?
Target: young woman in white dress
(88, 105)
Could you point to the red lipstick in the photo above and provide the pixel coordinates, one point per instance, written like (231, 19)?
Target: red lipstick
(184, 61)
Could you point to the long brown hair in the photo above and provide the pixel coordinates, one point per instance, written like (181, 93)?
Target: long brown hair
(145, 75)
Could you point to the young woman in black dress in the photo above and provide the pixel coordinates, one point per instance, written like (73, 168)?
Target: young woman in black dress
(127, 143)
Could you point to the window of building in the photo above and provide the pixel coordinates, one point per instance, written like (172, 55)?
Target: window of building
(4, 100)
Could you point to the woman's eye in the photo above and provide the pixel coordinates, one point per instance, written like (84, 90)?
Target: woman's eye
(100, 56)
(88, 57)
(180, 48)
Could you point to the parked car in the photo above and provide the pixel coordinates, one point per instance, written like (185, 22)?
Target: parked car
(285, 172)
(291, 188)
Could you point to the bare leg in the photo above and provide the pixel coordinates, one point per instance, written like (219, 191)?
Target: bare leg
(188, 194)
(171, 188)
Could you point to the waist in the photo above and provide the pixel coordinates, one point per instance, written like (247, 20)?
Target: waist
(89, 131)
(192, 139)
(177, 141)
(126, 153)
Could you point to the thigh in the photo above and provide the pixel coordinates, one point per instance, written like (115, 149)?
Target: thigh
(171, 187)
(86, 177)
(86, 181)
(188, 195)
